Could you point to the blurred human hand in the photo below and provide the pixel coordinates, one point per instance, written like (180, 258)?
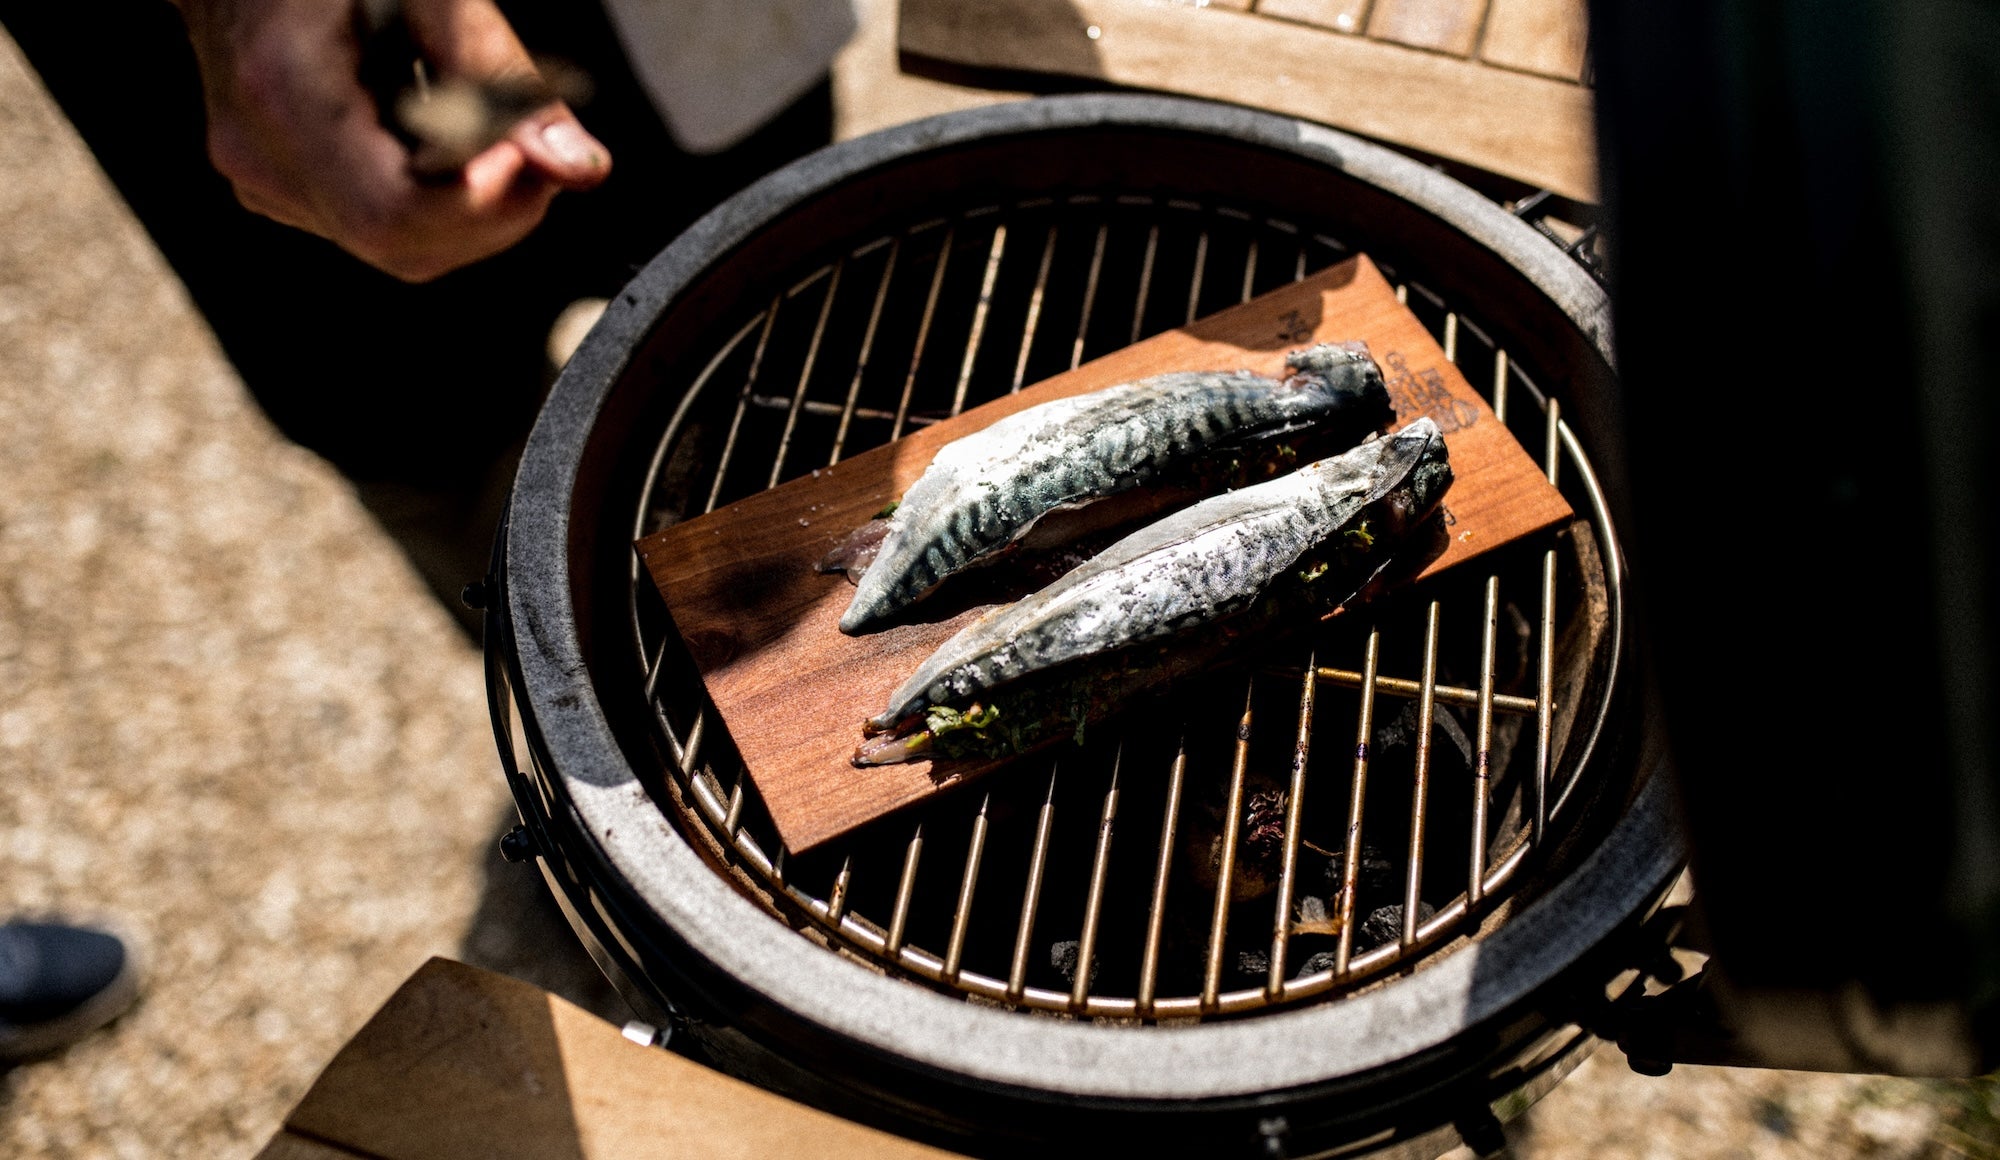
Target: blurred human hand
(302, 142)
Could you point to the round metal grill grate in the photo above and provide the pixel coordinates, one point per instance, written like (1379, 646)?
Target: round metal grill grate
(1264, 835)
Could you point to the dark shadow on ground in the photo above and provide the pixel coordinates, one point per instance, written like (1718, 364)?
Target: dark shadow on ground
(519, 931)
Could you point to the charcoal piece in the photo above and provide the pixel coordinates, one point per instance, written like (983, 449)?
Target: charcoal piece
(1401, 730)
(1385, 924)
(1255, 966)
(1323, 961)
(1377, 875)
(1449, 726)
(1062, 956)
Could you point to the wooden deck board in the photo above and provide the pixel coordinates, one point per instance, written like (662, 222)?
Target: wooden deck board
(1447, 26)
(464, 1064)
(1550, 37)
(1349, 16)
(1533, 128)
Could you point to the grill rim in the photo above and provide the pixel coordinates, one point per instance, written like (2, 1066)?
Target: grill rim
(587, 776)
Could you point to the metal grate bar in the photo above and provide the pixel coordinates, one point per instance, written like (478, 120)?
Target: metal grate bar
(742, 404)
(923, 333)
(805, 375)
(899, 918)
(1145, 281)
(836, 899)
(653, 673)
(733, 820)
(1546, 679)
(1482, 770)
(1034, 310)
(867, 348)
(1420, 783)
(1031, 897)
(1357, 801)
(985, 304)
(1250, 272)
(1225, 870)
(871, 939)
(691, 749)
(822, 407)
(1194, 283)
(1588, 483)
(1149, 962)
(1299, 267)
(961, 914)
(1093, 905)
(647, 516)
(1447, 694)
(708, 795)
(1089, 297)
(1451, 337)
(1281, 922)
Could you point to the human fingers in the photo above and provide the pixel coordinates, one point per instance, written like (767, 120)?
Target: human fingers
(472, 39)
(558, 146)
(302, 142)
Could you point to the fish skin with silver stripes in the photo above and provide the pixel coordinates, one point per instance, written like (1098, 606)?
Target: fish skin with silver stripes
(1166, 600)
(983, 493)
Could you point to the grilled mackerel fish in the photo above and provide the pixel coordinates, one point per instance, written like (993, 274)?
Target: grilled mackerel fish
(983, 493)
(1166, 600)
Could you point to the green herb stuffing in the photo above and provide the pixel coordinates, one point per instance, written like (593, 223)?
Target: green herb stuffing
(889, 509)
(941, 720)
(973, 732)
(1014, 720)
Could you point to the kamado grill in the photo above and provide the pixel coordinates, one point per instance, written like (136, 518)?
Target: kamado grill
(1275, 913)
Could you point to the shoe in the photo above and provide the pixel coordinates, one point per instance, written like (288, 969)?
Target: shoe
(58, 984)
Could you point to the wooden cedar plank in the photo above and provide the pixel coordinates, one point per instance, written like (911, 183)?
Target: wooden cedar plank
(1550, 37)
(1527, 127)
(1340, 15)
(1448, 26)
(464, 1064)
(761, 625)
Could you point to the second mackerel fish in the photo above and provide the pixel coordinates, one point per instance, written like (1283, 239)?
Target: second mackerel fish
(1168, 599)
(983, 493)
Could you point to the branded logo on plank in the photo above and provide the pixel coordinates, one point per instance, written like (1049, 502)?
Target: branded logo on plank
(1423, 392)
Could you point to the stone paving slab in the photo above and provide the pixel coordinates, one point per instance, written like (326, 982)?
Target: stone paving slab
(233, 723)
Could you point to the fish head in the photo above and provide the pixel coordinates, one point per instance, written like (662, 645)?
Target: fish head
(1333, 361)
(1415, 471)
(1347, 382)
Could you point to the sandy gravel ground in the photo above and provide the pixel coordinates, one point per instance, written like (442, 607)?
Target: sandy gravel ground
(231, 720)
(233, 723)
